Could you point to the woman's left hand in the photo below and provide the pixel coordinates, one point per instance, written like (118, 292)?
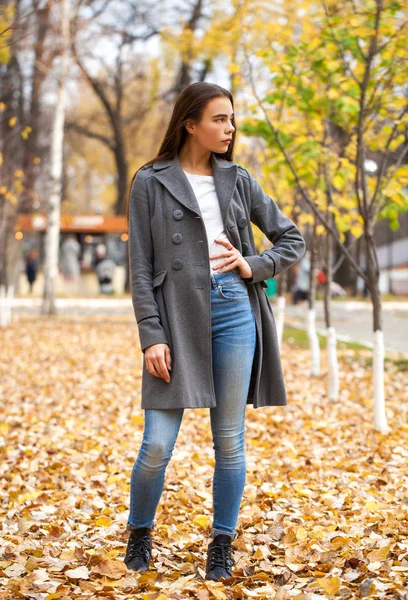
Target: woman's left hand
(234, 259)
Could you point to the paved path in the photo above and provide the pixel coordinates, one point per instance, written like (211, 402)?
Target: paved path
(77, 305)
(354, 322)
(352, 319)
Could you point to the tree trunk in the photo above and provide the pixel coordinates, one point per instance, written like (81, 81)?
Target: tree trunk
(38, 77)
(54, 204)
(380, 417)
(311, 314)
(333, 368)
(122, 173)
(354, 290)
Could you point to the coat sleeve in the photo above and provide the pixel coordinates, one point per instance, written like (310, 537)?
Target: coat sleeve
(141, 267)
(288, 244)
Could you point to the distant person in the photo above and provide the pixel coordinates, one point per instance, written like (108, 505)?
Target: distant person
(70, 263)
(31, 266)
(335, 288)
(301, 287)
(365, 288)
(105, 270)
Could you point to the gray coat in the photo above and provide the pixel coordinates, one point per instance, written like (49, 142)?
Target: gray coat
(170, 275)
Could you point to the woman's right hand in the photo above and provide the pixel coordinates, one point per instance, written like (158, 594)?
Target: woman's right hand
(158, 361)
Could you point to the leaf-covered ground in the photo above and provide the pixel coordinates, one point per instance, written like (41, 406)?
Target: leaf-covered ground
(325, 507)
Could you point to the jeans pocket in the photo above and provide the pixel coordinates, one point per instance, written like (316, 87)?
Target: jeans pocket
(233, 290)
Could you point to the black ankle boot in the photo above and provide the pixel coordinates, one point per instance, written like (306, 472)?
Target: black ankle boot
(219, 558)
(139, 549)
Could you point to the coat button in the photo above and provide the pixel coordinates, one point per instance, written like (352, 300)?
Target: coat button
(178, 214)
(242, 222)
(244, 247)
(177, 237)
(177, 264)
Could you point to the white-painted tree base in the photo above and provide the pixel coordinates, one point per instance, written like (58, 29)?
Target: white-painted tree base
(313, 341)
(6, 299)
(280, 317)
(333, 368)
(380, 417)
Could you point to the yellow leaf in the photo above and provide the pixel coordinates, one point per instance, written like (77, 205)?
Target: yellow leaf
(330, 585)
(113, 479)
(314, 43)
(364, 32)
(258, 554)
(217, 593)
(78, 573)
(201, 520)
(379, 553)
(302, 491)
(26, 132)
(355, 21)
(372, 505)
(115, 569)
(356, 230)
(333, 94)
(301, 533)
(307, 218)
(12, 121)
(103, 522)
(399, 200)
(11, 198)
(29, 495)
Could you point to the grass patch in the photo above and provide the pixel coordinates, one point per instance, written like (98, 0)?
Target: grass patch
(401, 363)
(300, 338)
(384, 298)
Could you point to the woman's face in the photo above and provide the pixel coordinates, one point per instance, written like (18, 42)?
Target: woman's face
(215, 126)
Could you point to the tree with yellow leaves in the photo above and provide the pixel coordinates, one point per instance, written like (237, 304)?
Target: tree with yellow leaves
(335, 99)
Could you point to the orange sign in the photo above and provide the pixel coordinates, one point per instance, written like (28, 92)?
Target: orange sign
(74, 223)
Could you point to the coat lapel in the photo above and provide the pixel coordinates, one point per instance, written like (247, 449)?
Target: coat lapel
(171, 175)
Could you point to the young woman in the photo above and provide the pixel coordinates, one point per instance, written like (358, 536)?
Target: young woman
(206, 327)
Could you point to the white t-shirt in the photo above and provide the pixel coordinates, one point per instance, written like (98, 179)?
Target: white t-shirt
(204, 189)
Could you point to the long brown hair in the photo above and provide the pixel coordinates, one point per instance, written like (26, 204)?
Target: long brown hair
(190, 104)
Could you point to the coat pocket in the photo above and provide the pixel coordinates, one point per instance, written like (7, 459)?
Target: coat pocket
(158, 279)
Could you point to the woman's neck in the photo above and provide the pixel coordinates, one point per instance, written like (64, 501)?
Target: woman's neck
(196, 161)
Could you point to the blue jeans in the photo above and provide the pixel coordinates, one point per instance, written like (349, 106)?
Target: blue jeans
(233, 348)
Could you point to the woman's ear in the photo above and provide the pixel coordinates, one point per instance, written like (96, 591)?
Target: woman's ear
(189, 125)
